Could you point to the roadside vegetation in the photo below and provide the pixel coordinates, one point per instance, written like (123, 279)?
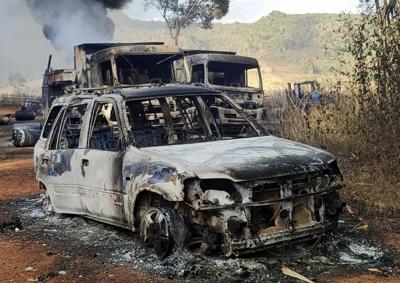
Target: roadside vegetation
(361, 120)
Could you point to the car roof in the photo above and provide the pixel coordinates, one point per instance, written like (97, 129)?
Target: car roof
(142, 92)
(166, 90)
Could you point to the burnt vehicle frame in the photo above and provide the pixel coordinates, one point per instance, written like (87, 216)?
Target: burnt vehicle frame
(231, 195)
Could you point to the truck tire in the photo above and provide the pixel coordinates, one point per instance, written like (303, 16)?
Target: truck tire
(25, 115)
(22, 137)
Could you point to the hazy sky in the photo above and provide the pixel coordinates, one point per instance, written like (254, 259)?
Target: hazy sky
(252, 10)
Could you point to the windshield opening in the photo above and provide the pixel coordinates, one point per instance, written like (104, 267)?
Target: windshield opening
(233, 75)
(182, 119)
(141, 69)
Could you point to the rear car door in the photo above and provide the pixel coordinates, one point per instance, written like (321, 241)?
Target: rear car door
(59, 164)
(100, 181)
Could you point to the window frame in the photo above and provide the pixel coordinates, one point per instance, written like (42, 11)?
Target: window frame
(204, 73)
(93, 117)
(61, 122)
(53, 124)
(206, 114)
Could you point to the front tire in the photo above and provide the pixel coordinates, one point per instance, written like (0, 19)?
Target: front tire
(156, 231)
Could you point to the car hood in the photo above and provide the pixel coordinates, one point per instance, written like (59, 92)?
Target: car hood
(244, 159)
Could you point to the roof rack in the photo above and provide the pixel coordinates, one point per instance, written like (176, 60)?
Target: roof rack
(91, 48)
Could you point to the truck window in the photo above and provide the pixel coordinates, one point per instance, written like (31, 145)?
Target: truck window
(72, 126)
(233, 74)
(50, 121)
(104, 130)
(198, 73)
(253, 78)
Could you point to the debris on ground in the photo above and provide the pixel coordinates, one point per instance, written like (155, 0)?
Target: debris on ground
(343, 251)
(288, 272)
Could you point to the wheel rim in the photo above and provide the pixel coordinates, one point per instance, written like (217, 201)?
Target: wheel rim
(155, 231)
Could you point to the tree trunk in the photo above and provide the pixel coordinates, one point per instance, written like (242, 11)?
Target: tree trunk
(177, 33)
(176, 38)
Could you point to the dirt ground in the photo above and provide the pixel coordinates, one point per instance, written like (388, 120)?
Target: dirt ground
(36, 247)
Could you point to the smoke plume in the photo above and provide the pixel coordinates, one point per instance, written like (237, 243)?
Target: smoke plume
(70, 22)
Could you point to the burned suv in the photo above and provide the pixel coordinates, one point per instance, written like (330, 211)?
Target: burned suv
(158, 161)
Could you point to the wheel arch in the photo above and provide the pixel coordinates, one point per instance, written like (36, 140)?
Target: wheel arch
(148, 194)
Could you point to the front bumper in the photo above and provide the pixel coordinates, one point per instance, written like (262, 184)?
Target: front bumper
(239, 247)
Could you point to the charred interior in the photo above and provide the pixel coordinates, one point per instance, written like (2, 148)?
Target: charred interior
(138, 70)
(182, 119)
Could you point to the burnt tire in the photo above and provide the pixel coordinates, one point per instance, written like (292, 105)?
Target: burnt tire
(23, 137)
(25, 115)
(156, 232)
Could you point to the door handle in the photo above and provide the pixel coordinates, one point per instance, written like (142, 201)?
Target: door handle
(85, 162)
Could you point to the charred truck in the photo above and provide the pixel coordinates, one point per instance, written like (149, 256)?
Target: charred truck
(239, 77)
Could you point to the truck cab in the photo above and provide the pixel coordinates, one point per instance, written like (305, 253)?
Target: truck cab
(239, 77)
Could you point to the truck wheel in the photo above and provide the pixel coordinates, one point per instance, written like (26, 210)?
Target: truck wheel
(22, 137)
(156, 231)
(25, 115)
(47, 205)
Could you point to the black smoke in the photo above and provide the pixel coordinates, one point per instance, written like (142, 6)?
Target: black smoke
(70, 22)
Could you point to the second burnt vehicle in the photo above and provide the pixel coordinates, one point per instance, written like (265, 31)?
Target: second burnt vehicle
(239, 77)
(157, 160)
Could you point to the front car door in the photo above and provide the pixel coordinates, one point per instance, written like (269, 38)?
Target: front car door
(100, 179)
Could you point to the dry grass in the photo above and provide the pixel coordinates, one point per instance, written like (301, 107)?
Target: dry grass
(337, 126)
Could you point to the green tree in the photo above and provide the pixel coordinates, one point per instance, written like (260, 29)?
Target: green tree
(180, 14)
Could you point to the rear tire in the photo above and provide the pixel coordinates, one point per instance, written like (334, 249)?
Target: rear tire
(47, 205)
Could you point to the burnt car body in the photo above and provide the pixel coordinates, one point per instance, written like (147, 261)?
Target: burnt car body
(158, 161)
(239, 77)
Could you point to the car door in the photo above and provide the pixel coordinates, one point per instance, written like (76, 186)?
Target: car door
(100, 181)
(59, 164)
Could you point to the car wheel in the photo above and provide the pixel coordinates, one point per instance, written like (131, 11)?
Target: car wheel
(156, 232)
(47, 205)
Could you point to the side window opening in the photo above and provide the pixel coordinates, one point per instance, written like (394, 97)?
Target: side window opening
(198, 73)
(50, 121)
(105, 131)
(56, 130)
(72, 127)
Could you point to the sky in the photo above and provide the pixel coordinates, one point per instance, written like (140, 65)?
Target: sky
(252, 10)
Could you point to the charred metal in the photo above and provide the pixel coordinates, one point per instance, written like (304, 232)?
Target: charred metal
(160, 161)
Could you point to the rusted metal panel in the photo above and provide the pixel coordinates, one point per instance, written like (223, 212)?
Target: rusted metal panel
(61, 77)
